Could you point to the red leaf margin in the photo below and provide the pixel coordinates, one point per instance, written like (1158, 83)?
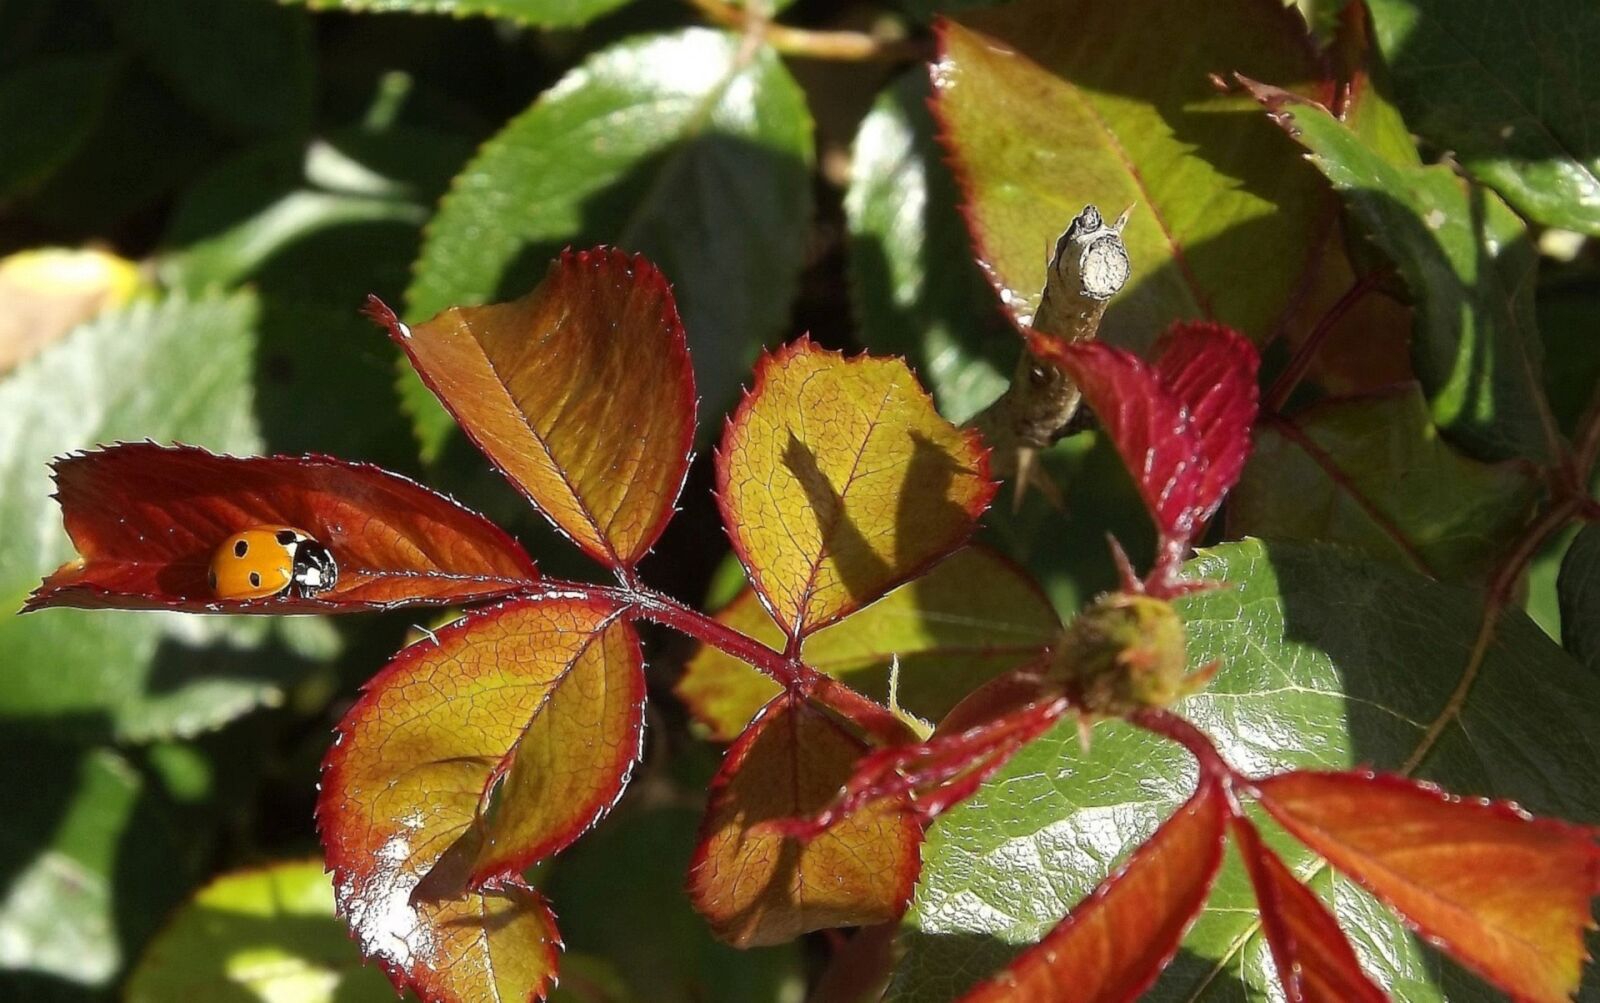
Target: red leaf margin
(1181, 423)
(740, 417)
(122, 505)
(1583, 840)
(1285, 903)
(1197, 829)
(640, 270)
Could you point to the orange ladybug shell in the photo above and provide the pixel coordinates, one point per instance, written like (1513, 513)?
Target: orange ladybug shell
(256, 563)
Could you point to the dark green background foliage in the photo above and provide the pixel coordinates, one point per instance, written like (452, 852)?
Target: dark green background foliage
(267, 166)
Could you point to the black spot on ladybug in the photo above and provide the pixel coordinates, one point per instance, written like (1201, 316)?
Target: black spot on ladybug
(240, 548)
(255, 577)
(285, 536)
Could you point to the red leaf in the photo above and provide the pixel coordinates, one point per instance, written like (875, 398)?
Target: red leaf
(580, 392)
(1181, 422)
(941, 772)
(1315, 962)
(146, 519)
(1504, 893)
(756, 885)
(1115, 943)
(496, 742)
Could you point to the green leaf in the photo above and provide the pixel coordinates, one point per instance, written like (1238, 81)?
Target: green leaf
(914, 282)
(174, 370)
(542, 13)
(693, 149)
(1048, 105)
(1470, 266)
(48, 108)
(1579, 588)
(265, 933)
(1567, 311)
(87, 863)
(1373, 474)
(316, 226)
(1508, 91)
(622, 900)
(247, 65)
(1328, 660)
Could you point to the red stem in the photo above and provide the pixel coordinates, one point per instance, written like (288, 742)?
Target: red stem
(789, 672)
(1170, 725)
(1296, 370)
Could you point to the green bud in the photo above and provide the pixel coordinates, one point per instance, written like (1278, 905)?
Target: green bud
(1125, 652)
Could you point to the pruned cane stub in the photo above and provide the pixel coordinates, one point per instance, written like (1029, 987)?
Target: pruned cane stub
(1088, 266)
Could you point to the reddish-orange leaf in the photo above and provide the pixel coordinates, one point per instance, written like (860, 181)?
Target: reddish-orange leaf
(756, 886)
(838, 480)
(581, 392)
(1315, 962)
(538, 697)
(1504, 893)
(1115, 943)
(972, 617)
(146, 520)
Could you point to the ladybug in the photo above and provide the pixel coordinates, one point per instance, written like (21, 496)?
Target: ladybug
(266, 561)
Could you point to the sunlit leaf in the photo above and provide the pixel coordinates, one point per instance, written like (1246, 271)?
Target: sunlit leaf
(265, 933)
(48, 291)
(1115, 942)
(93, 861)
(540, 697)
(175, 368)
(693, 149)
(580, 392)
(1181, 421)
(916, 289)
(1314, 960)
(755, 886)
(1579, 589)
(970, 618)
(1505, 94)
(1505, 893)
(838, 480)
(1372, 472)
(1469, 264)
(1047, 106)
(543, 13)
(146, 520)
(1329, 660)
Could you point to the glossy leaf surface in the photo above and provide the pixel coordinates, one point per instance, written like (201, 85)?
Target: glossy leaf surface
(543, 13)
(1047, 106)
(915, 286)
(1116, 941)
(755, 886)
(540, 697)
(580, 392)
(1373, 473)
(972, 617)
(838, 480)
(1505, 893)
(1507, 93)
(91, 675)
(1469, 264)
(1329, 660)
(1315, 962)
(654, 145)
(1181, 421)
(262, 934)
(146, 520)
